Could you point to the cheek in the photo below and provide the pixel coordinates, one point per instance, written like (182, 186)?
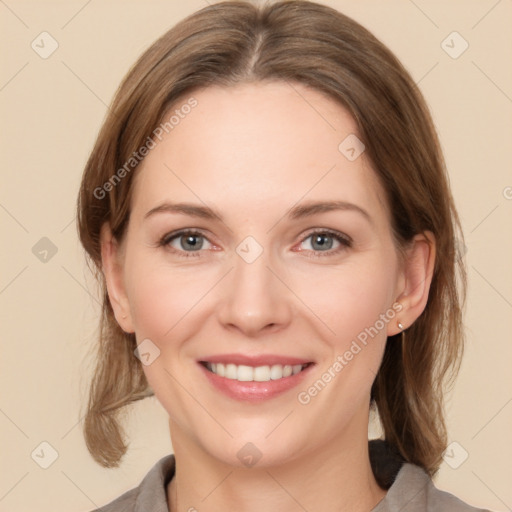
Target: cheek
(163, 302)
(161, 297)
(355, 302)
(352, 298)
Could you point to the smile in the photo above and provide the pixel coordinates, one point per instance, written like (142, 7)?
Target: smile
(244, 373)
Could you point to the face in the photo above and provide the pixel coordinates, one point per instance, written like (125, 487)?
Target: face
(254, 278)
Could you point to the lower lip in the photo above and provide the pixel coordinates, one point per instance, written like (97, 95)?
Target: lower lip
(254, 391)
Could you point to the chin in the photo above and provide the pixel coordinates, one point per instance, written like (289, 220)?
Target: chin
(254, 452)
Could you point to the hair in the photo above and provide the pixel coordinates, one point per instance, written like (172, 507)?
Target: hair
(294, 41)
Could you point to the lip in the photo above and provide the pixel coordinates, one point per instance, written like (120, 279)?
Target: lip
(260, 360)
(254, 391)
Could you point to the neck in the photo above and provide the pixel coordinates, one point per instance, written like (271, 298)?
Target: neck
(338, 476)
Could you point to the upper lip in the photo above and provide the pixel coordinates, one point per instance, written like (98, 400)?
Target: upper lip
(259, 360)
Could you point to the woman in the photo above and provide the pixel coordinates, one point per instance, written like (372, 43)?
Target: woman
(268, 211)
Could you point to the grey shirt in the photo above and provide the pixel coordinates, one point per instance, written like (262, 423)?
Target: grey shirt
(411, 490)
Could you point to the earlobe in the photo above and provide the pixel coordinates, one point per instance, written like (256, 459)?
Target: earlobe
(418, 272)
(112, 270)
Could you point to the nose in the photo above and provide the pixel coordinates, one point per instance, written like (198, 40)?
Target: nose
(255, 298)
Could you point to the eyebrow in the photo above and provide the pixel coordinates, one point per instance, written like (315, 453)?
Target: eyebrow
(297, 212)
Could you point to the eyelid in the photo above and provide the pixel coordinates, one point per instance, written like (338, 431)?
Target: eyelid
(327, 231)
(166, 240)
(345, 241)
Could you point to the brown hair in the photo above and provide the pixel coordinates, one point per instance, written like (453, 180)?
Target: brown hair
(295, 41)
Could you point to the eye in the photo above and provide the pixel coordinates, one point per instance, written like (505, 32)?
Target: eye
(186, 241)
(322, 241)
(189, 243)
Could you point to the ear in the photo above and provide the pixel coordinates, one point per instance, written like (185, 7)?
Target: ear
(418, 269)
(111, 257)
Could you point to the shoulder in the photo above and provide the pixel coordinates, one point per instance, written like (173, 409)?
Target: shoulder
(414, 488)
(150, 494)
(125, 502)
(409, 487)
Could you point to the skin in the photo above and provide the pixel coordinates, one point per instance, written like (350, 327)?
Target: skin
(251, 152)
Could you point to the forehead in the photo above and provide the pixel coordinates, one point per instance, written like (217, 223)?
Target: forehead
(256, 145)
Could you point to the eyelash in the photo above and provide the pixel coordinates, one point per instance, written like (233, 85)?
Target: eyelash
(344, 240)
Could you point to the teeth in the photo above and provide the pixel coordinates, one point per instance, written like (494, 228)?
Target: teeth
(262, 373)
(220, 369)
(231, 371)
(245, 373)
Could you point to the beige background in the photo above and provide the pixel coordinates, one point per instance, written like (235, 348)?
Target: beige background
(51, 110)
